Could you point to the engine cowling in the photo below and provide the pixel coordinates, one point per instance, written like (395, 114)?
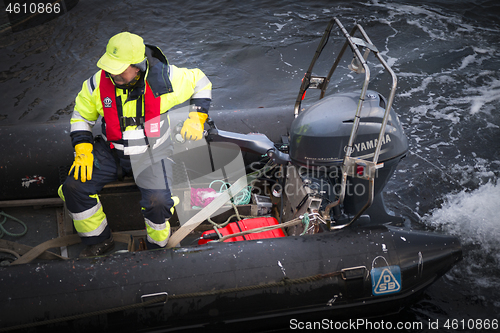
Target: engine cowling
(318, 143)
(319, 135)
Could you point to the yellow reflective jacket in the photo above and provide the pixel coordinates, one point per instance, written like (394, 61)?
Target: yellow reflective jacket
(172, 84)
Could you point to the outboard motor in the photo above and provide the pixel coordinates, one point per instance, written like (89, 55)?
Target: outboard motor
(319, 138)
(345, 147)
(341, 151)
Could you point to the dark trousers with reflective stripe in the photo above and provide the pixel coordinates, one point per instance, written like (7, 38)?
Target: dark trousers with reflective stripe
(156, 202)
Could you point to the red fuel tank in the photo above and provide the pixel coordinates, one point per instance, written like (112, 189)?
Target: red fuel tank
(244, 225)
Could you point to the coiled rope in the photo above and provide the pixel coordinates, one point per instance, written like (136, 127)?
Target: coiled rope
(305, 221)
(241, 198)
(4, 231)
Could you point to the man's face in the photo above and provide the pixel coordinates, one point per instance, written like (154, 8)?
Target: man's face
(126, 77)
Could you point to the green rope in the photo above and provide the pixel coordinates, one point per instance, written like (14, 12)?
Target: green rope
(305, 221)
(4, 231)
(246, 197)
(223, 187)
(241, 198)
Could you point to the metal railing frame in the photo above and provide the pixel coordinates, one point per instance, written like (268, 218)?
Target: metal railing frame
(350, 164)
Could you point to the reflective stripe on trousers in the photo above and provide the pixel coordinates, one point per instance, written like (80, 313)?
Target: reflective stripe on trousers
(91, 222)
(82, 201)
(87, 212)
(158, 233)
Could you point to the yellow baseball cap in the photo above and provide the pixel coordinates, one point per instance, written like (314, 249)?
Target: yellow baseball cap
(122, 50)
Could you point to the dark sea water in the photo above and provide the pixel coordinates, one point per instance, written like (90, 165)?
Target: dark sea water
(446, 55)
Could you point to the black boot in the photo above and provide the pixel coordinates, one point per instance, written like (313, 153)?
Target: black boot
(98, 249)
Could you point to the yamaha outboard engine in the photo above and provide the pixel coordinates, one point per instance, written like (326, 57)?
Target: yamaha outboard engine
(345, 147)
(319, 138)
(342, 150)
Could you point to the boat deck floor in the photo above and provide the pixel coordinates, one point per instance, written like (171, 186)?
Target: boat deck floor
(48, 219)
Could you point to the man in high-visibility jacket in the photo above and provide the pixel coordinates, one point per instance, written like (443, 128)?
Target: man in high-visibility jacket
(133, 91)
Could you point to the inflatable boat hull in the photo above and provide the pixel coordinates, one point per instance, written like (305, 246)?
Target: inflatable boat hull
(338, 274)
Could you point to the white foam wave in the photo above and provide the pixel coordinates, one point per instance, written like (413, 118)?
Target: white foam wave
(473, 217)
(283, 14)
(309, 17)
(467, 60)
(474, 99)
(423, 86)
(437, 25)
(484, 95)
(279, 26)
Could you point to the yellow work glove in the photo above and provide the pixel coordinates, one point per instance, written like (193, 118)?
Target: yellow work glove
(84, 161)
(193, 126)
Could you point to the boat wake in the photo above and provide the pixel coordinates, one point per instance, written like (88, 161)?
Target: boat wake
(472, 216)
